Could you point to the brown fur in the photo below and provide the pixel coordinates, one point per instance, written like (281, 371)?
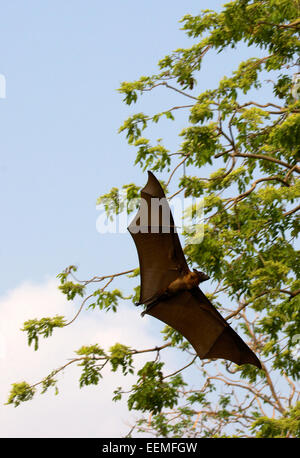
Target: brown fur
(187, 282)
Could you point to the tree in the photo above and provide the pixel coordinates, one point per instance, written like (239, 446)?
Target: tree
(250, 223)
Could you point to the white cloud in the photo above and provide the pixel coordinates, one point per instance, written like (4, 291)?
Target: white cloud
(75, 412)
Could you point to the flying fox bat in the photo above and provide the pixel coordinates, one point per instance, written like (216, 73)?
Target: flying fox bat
(169, 289)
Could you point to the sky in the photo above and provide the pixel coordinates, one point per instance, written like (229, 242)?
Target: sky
(63, 62)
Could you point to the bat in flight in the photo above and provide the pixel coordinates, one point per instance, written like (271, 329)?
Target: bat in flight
(169, 289)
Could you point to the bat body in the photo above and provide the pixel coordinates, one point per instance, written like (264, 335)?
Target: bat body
(169, 289)
(183, 283)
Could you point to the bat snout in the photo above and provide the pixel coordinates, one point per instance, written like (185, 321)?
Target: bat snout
(201, 275)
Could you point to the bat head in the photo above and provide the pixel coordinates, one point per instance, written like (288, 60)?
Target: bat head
(201, 276)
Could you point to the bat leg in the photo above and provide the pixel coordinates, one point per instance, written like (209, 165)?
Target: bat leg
(151, 299)
(161, 297)
(149, 306)
(146, 301)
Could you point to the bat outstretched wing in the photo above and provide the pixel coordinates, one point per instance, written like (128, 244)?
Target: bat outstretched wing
(159, 250)
(193, 315)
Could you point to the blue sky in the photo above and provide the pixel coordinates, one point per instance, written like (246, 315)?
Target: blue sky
(63, 62)
(59, 147)
(59, 150)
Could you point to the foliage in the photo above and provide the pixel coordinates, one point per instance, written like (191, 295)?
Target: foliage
(250, 141)
(116, 201)
(286, 426)
(107, 300)
(120, 355)
(151, 392)
(20, 392)
(91, 372)
(43, 327)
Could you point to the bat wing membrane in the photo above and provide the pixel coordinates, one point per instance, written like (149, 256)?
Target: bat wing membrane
(159, 250)
(191, 313)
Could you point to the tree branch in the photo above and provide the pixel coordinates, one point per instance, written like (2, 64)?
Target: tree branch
(244, 305)
(266, 158)
(291, 211)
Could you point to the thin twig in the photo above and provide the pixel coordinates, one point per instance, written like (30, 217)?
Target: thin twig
(177, 167)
